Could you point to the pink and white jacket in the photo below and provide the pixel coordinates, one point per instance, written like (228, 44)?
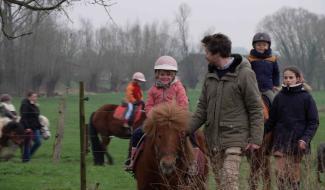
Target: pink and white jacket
(176, 92)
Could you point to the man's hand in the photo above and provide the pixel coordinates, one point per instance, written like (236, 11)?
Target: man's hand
(251, 147)
(302, 145)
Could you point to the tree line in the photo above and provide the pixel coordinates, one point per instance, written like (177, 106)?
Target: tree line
(55, 56)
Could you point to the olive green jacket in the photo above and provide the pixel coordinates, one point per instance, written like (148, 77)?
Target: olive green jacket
(230, 107)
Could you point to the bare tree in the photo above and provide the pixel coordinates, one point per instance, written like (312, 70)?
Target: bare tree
(105, 58)
(184, 12)
(189, 65)
(296, 35)
(45, 7)
(88, 57)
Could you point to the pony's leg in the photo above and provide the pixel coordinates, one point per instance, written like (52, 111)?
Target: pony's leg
(105, 142)
(266, 173)
(87, 140)
(254, 163)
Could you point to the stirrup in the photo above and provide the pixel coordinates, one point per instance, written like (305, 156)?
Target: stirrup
(193, 168)
(128, 168)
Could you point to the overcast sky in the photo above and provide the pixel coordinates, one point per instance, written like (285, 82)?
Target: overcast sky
(236, 18)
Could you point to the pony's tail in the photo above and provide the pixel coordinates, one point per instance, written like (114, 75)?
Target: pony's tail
(96, 146)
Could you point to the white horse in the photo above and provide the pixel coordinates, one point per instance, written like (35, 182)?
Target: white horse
(45, 130)
(9, 150)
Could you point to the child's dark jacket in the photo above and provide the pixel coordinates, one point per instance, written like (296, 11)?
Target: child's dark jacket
(293, 117)
(266, 69)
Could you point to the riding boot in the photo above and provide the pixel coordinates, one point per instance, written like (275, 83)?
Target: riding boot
(130, 166)
(194, 168)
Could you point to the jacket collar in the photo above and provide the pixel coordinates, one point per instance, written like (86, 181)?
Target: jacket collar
(293, 88)
(266, 54)
(238, 63)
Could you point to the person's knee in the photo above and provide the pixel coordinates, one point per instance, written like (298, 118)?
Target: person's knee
(232, 161)
(136, 136)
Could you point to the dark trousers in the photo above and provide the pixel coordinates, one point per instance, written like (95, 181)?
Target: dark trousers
(31, 144)
(136, 136)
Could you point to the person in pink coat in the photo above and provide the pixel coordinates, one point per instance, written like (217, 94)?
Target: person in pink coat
(167, 88)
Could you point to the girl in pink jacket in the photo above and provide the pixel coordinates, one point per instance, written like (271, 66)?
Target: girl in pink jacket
(167, 88)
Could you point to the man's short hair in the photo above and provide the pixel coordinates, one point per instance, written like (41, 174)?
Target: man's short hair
(218, 43)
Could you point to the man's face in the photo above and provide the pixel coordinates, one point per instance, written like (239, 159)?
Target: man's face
(213, 59)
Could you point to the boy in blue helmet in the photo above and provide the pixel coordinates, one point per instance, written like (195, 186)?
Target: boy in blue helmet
(265, 65)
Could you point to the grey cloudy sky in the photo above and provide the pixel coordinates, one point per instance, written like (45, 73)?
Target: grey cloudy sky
(236, 18)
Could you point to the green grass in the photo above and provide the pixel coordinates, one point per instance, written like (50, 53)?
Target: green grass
(42, 174)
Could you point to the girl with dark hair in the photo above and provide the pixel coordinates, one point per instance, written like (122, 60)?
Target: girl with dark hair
(294, 121)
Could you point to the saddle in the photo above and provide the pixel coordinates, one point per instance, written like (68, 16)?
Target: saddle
(121, 110)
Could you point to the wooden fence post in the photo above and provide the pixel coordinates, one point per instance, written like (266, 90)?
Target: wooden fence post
(60, 131)
(82, 138)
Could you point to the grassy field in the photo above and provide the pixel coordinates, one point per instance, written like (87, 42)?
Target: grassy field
(42, 174)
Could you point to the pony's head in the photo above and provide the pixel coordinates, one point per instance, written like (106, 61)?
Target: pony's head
(167, 124)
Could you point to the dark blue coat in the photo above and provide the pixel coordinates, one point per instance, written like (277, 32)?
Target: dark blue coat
(293, 117)
(29, 115)
(266, 69)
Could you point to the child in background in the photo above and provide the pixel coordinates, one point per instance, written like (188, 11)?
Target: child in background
(167, 88)
(7, 109)
(294, 121)
(133, 95)
(264, 65)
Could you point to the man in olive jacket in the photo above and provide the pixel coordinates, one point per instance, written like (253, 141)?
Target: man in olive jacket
(231, 108)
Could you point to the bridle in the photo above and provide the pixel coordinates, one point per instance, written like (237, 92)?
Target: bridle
(178, 153)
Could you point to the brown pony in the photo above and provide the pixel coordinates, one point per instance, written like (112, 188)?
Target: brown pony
(103, 122)
(167, 152)
(260, 159)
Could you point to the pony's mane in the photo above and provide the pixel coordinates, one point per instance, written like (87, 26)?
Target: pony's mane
(167, 114)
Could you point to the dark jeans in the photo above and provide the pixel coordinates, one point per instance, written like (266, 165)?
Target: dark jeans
(136, 136)
(30, 149)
